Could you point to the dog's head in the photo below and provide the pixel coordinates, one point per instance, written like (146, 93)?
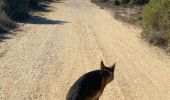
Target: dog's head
(109, 72)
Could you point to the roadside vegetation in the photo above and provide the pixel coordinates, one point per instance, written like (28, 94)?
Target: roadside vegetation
(5, 22)
(12, 11)
(152, 15)
(156, 21)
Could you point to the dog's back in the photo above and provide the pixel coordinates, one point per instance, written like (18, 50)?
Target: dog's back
(91, 85)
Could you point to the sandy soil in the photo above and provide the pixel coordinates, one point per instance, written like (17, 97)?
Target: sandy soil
(44, 59)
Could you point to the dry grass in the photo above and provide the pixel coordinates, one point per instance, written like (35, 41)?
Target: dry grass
(127, 13)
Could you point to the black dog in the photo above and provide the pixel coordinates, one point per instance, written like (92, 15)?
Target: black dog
(91, 85)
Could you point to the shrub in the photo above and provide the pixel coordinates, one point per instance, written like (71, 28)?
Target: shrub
(16, 9)
(140, 2)
(1, 4)
(5, 22)
(33, 3)
(102, 1)
(123, 2)
(156, 19)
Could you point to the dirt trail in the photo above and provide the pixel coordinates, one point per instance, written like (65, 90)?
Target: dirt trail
(52, 52)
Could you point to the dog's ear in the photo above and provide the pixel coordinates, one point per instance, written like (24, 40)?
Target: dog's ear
(102, 65)
(113, 67)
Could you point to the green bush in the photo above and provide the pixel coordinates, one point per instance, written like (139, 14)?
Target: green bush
(33, 3)
(16, 9)
(123, 2)
(101, 1)
(1, 4)
(140, 2)
(156, 19)
(5, 22)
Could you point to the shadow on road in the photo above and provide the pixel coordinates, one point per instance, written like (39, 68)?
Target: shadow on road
(41, 20)
(44, 6)
(4, 35)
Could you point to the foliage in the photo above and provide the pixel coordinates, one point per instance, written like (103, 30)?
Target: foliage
(156, 20)
(5, 22)
(33, 3)
(16, 9)
(123, 2)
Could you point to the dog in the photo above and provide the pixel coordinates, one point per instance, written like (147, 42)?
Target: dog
(90, 86)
